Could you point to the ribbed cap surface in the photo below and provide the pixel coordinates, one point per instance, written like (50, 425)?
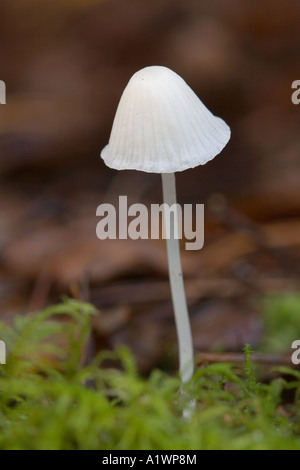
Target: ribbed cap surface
(161, 126)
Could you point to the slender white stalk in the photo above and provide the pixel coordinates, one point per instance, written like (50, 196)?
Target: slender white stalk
(186, 353)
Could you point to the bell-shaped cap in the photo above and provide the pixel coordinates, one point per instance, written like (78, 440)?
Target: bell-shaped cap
(161, 126)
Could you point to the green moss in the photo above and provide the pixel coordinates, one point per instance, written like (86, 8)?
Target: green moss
(49, 401)
(281, 315)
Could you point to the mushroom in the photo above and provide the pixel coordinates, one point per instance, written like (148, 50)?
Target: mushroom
(161, 126)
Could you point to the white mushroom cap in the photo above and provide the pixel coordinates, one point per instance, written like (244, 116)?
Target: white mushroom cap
(161, 126)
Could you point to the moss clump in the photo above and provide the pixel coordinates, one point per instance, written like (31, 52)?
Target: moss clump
(49, 401)
(281, 315)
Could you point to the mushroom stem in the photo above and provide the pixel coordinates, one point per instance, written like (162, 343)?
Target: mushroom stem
(186, 353)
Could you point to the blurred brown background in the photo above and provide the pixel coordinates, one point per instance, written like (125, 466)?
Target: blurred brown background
(65, 64)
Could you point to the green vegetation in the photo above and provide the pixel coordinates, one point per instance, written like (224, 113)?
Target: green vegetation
(48, 400)
(282, 322)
